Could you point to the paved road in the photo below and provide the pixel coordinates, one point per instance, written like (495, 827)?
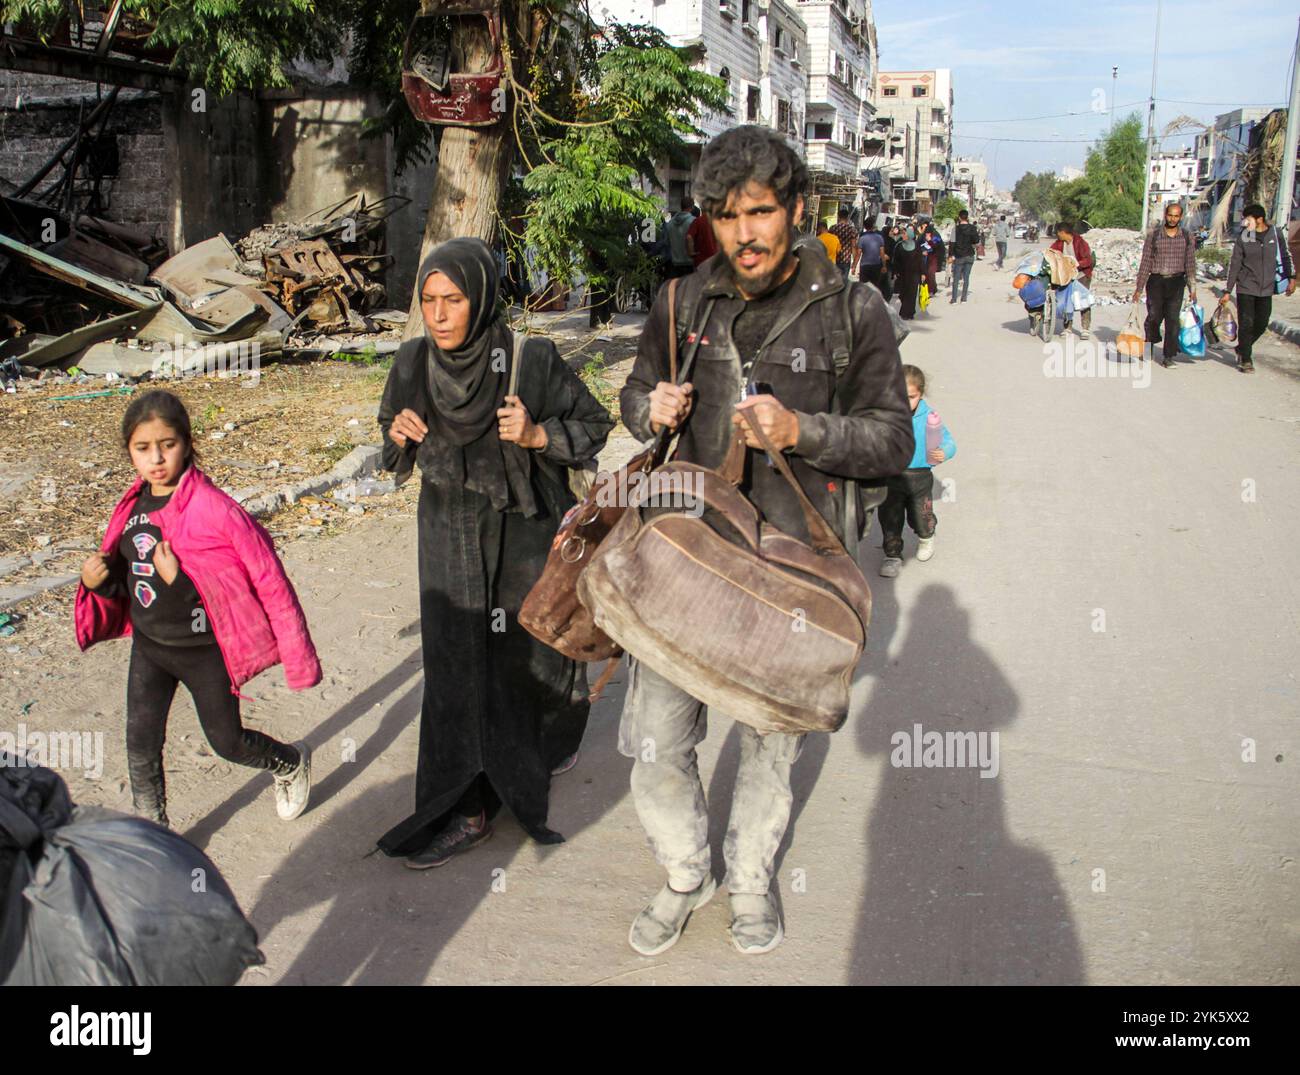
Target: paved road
(1114, 595)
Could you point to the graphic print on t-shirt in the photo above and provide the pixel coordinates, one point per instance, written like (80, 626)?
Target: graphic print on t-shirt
(143, 569)
(144, 593)
(144, 542)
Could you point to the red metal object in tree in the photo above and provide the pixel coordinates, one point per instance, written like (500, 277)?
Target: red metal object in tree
(434, 93)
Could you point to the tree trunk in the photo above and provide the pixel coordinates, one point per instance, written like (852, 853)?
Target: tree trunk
(473, 163)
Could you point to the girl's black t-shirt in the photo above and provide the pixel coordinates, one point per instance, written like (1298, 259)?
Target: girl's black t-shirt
(172, 615)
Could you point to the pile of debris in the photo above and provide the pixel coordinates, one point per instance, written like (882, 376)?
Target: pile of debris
(93, 297)
(1118, 253)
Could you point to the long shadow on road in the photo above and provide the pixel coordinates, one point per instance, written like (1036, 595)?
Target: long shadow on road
(951, 897)
(380, 923)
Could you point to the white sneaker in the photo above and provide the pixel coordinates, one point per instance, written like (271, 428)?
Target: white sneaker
(659, 925)
(1085, 335)
(924, 549)
(292, 790)
(755, 925)
(891, 567)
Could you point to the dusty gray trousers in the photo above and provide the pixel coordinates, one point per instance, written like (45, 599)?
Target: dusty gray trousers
(660, 729)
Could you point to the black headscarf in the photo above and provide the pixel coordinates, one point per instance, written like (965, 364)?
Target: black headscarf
(466, 387)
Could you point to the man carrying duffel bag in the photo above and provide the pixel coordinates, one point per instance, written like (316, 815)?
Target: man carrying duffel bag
(819, 372)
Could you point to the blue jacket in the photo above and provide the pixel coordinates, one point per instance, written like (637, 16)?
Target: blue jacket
(918, 431)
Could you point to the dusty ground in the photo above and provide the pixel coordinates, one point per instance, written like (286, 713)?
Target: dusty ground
(1122, 749)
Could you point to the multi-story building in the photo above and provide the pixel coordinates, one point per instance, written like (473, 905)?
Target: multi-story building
(803, 67)
(970, 180)
(841, 75)
(1230, 144)
(1172, 178)
(923, 102)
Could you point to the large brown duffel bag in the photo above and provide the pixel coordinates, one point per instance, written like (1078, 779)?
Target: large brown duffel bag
(552, 612)
(757, 624)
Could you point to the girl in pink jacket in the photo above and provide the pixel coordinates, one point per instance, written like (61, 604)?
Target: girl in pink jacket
(196, 583)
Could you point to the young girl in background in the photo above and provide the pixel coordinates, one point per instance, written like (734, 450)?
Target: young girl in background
(196, 582)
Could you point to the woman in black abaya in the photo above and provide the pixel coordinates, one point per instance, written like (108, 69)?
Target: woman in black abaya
(501, 710)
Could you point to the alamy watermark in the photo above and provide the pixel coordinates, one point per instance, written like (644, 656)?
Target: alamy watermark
(80, 751)
(919, 749)
(189, 358)
(1092, 359)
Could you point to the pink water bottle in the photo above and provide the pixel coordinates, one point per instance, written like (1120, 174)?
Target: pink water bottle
(933, 434)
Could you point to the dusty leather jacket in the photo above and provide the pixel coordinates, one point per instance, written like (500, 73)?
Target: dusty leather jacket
(852, 424)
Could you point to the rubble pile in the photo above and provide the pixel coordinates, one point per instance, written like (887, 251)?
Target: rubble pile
(1117, 253)
(96, 298)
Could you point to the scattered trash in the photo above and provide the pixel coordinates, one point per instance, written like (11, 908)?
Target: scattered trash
(121, 390)
(9, 622)
(43, 540)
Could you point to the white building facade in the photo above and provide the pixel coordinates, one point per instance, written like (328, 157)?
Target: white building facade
(1173, 177)
(805, 68)
(919, 105)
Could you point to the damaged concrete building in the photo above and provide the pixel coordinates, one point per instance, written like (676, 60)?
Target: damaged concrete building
(138, 166)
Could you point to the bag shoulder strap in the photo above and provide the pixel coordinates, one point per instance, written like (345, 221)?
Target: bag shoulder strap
(822, 536)
(520, 341)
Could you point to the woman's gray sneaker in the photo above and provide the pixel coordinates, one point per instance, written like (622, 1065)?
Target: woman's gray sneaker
(292, 789)
(657, 928)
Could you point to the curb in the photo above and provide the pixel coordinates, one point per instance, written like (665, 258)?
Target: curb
(358, 463)
(1288, 330)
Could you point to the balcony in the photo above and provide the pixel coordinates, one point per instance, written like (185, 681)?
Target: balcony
(827, 156)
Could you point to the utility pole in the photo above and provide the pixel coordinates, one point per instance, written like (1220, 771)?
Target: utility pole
(1286, 178)
(1114, 75)
(1151, 123)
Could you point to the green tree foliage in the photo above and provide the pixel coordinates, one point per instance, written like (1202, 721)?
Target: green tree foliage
(948, 208)
(586, 213)
(1116, 174)
(1070, 201)
(219, 44)
(1035, 193)
(594, 113)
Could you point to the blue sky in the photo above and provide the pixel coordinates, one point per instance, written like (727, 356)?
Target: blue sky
(1026, 60)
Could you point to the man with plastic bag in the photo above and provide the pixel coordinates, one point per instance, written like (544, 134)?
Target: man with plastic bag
(1168, 266)
(1077, 294)
(89, 896)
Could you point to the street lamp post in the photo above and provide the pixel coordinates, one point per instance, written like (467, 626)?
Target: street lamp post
(1114, 75)
(1151, 121)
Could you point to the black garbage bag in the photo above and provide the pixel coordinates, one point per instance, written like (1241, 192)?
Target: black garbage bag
(90, 896)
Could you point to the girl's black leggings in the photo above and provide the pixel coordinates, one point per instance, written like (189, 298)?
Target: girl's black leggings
(151, 684)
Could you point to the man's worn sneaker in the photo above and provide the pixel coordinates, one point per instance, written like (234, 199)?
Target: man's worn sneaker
(1085, 335)
(755, 925)
(292, 789)
(891, 567)
(567, 764)
(461, 834)
(1247, 367)
(925, 549)
(658, 927)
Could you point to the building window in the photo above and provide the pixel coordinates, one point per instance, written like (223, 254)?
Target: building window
(778, 40)
(819, 132)
(783, 116)
(936, 115)
(753, 103)
(889, 91)
(920, 91)
(744, 10)
(936, 141)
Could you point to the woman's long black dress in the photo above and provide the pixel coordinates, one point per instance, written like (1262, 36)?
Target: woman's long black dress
(910, 267)
(497, 702)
